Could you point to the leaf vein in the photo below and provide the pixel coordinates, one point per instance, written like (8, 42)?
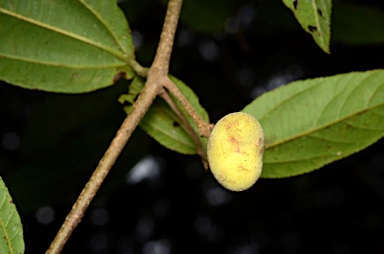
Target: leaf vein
(329, 140)
(287, 99)
(321, 34)
(299, 160)
(155, 127)
(104, 23)
(62, 65)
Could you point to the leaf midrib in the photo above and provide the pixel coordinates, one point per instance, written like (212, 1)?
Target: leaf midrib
(323, 126)
(318, 156)
(122, 64)
(321, 34)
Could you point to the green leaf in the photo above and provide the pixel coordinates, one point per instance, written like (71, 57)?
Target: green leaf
(311, 123)
(11, 233)
(162, 124)
(357, 24)
(63, 46)
(315, 18)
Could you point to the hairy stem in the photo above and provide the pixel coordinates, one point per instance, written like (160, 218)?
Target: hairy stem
(123, 134)
(191, 131)
(153, 86)
(204, 127)
(163, 52)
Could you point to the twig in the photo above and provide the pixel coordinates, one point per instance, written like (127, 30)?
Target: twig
(163, 52)
(195, 137)
(204, 127)
(151, 89)
(131, 121)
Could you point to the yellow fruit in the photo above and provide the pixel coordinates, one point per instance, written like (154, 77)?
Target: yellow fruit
(235, 151)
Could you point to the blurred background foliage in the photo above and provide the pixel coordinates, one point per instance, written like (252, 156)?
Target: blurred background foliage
(158, 201)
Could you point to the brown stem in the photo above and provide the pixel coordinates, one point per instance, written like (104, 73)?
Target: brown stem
(163, 52)
(152, 88)
(204, 127)
(141, 106)
(195, 137)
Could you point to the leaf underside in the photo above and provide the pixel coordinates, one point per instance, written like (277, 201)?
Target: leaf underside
(11, 229)
(162, 124)
(63, 46)
(311, 123)
(315, 18)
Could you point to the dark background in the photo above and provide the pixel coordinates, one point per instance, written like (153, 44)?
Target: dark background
(228, 52)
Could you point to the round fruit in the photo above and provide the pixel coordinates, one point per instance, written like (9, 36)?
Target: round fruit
(235, 151)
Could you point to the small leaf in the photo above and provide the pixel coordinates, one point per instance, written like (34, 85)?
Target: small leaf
(314, 17)
(162, 124)
(63, 46)
(311, 123)
(11, 233)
